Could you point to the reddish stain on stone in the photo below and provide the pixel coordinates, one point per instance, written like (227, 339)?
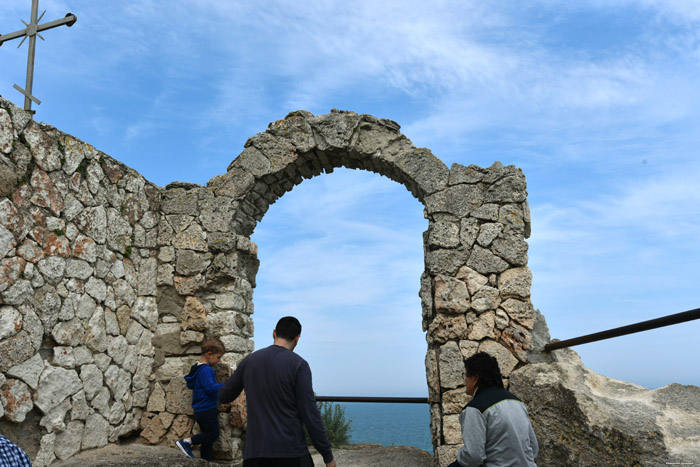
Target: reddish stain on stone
(46, 194)
(53, 243)
(30, 251)
(10, 270)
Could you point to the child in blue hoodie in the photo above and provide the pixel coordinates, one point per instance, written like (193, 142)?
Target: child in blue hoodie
(202, 380)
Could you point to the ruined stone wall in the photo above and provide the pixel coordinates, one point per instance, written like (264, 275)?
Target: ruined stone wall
(77, 291)
(108, 285)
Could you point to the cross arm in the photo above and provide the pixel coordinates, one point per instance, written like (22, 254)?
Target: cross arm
(69, 21)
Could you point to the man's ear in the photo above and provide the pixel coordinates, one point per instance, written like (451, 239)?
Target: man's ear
(274, 334)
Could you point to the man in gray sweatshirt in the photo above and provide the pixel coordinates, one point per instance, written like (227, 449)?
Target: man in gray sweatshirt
(496, 429)
(280, 400)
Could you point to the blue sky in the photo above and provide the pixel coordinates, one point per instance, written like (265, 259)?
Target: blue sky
(596, 101)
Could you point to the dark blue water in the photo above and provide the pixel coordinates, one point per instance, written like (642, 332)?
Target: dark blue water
(390, 424)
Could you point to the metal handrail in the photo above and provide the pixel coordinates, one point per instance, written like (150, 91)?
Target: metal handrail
(624, 330)
(394, 400)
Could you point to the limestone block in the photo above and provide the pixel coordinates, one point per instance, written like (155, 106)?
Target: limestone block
(30, 251)
(485, 262)
(230, 301)
(444, 328)
(487, 298)
(487, 233)
(461, 174)
(10, 322)
(511, 189)
(167, 338)
(502, 319)
(180, 201)
(53, 421)
(69, 333)
(459, 200)
(454, 401)
(45, 456)
(156, 402)
(147, 276)
(116, 348)
(96, 288)
(178, 397)
(92, 221)
(131, 359)
(193, 238)
(118, 231)
(16, 399)
(45, 193)
(92, 379)
(44, 149)
(451, 295)
(487, 212)
(451, 365)
(16, 349)
(111, 323)
(432, 374)
(521, 311)
(101, 401)
(237, 344)
(85, 249)
(451, 429)
(515, 282)
(6, 133)
(68, 443)
(80, 408)
(190, 262)
(10, 270)
(28, 371)
(468, 348)
(96, 335)
(55, 385)
(445, 261)
(117, 412)
(506, 360)
(188, 285)
(118, 380)
(96, 432)
(473, 279)
(483, 327)
(86, 307)
(511, 248)
(63, 356)
(194, 316)
(145, 311)
(52, 268)
(229, 322)
(518, 340)
(78, 268)
(443, 234)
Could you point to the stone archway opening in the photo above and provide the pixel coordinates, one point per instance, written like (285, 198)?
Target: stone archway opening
(351, 275)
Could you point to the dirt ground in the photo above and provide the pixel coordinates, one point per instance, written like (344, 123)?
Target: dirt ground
(357, 455)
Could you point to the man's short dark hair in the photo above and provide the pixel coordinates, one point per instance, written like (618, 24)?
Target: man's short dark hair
(486, 368)
(288, 328)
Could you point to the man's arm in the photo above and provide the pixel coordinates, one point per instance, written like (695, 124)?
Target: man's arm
(473, 453)
(306, 403)
(233, 386)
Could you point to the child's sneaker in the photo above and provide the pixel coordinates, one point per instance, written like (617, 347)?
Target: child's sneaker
(185, 447)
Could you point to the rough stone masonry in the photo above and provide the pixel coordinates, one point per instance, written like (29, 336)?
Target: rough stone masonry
(108, 284)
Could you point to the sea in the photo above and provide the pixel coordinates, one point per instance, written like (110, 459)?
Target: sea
(389, 424)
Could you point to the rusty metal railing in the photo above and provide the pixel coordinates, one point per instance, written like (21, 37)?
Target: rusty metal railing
(624, 330)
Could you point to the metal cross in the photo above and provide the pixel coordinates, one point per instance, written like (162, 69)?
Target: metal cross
(32, 30)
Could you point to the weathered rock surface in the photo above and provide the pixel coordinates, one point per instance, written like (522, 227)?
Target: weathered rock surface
(582, 418)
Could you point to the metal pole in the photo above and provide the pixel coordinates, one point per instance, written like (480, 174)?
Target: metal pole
(31, 32)
(624, 330)
(394, 400)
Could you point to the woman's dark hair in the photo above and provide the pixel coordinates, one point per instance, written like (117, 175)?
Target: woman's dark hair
(288, 328)
(486, 368)
(213, 345)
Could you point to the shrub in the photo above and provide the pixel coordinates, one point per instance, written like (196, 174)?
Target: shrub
(337, 427)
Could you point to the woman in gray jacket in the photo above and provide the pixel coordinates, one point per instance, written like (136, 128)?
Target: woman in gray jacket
(496, 429)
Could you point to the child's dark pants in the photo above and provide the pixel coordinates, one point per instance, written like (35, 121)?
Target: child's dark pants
(209, 425)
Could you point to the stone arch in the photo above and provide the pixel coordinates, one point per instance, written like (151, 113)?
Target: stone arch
(476, 285)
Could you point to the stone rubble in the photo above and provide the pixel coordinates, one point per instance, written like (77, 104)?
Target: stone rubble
(108, 283)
